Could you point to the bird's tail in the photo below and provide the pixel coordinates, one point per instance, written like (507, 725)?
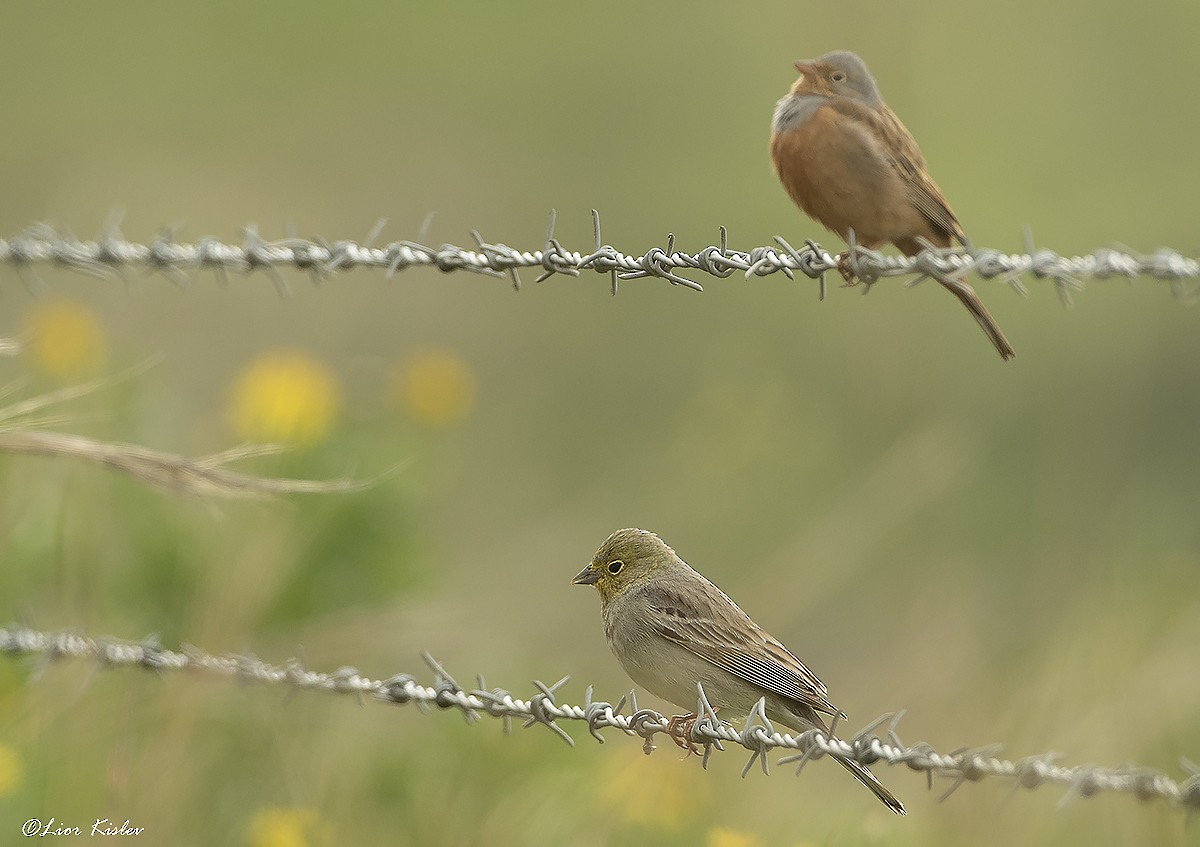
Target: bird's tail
(966, 294)
(803, 717)
(868, 779)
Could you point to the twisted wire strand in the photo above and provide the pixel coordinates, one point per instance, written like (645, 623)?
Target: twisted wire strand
(111, 254)
(542, 708)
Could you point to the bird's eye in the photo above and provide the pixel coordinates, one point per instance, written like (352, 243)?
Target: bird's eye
(614, 568)
(838, 76)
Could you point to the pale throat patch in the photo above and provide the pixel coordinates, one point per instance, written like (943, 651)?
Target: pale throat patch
(794, 109)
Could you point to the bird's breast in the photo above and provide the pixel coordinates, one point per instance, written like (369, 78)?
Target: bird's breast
(835, 168)
(665, 668)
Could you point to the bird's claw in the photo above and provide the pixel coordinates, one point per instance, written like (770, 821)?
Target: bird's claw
(846, 268)
(679, 727)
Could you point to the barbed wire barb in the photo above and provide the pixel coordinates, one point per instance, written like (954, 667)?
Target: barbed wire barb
(757, 734)
(111, 254)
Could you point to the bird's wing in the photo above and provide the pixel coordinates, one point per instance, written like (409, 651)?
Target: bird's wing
(922, 190)
(726, 636)
(901, 151)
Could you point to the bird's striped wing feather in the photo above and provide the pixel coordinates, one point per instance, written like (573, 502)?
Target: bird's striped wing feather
(729, 639)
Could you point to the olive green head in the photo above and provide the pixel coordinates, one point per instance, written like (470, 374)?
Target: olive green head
(629, 557)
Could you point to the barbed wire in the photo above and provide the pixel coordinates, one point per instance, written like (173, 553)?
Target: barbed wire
(111, 254)
(542, 708)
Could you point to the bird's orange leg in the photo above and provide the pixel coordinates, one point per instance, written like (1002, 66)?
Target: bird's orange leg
(845, 267)
(679, 727)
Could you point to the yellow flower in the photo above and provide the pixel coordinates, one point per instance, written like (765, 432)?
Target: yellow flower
(284, 396)
(66, 339)
(720, 836)
(11, 770)
(275, 827)
(436, 387)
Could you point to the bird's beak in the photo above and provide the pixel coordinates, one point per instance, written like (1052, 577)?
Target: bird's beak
(587, 576)
(805, 69)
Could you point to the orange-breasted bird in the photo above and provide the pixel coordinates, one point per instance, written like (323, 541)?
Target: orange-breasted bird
(845, 158)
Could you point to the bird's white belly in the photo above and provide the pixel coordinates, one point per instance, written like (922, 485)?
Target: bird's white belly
(669, 671)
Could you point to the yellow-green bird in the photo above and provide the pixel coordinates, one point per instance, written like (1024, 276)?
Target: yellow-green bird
(671, 628)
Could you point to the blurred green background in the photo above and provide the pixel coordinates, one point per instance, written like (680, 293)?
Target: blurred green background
(1007, 551)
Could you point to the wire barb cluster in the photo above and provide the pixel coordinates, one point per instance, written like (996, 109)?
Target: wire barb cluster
(111, 254)
(756, 735)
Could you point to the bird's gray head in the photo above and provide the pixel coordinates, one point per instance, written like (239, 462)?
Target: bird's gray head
(840, 74)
